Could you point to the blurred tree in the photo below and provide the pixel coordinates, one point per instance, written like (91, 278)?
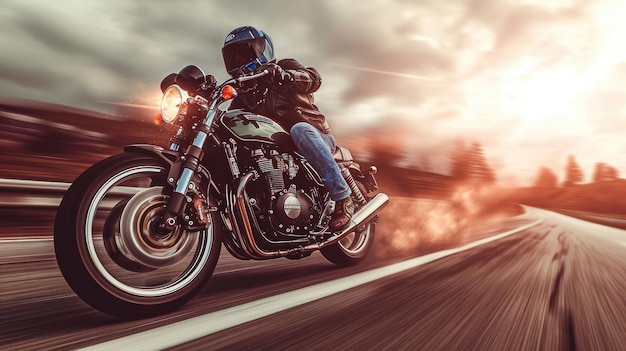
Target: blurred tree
(604, 172)
(598, 171)
(546, 178)
(459, 164)
(469, 163)
(573, 173)
(612, 173)
(482, 170)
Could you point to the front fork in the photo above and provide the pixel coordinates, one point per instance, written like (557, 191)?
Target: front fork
(178, 199)
(181, 179)
(190, 165)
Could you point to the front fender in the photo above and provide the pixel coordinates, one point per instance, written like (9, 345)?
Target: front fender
(173, 159)
(168, 156)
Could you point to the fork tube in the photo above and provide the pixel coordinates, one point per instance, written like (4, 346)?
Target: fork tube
(191, 158)
(194, 153)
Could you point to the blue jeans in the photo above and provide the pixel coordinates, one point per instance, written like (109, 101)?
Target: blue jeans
(316, 148)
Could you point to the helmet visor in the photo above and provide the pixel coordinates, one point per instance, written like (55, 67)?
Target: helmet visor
(242, 53)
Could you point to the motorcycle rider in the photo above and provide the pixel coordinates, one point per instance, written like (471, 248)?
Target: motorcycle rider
(286, 95)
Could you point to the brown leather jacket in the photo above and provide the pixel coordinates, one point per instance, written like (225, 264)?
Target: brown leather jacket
(289, 102)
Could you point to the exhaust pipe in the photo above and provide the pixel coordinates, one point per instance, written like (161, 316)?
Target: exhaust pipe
(364, 215)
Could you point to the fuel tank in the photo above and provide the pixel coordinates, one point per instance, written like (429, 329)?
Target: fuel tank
(250, 127)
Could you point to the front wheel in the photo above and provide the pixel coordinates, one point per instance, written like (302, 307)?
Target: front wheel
(109, 252)
(354, 247)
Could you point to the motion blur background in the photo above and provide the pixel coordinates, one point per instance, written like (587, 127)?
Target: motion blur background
(531, 81)
(516, 100)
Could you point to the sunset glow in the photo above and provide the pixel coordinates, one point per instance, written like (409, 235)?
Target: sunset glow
(532, 81)
(542, 95)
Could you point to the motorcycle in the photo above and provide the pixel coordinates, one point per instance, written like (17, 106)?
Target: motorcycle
(139, 234)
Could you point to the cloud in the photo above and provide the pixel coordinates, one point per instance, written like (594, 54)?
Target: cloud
(491, 65)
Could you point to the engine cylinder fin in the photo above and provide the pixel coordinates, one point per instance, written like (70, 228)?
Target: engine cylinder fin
(273, 175)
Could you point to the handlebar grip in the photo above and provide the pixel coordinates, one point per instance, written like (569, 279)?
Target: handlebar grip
(254, 76)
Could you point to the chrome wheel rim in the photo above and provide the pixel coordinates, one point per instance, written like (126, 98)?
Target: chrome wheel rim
(161, 281)
(357, 241)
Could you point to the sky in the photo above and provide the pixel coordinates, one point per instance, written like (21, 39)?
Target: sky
(532, 81)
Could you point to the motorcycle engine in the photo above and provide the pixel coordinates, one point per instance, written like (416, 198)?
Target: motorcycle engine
(290, 209)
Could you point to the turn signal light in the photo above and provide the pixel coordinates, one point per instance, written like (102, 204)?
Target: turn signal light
(158, 119)
(228, 92)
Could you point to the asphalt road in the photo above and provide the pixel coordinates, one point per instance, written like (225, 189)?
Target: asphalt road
(557, 285)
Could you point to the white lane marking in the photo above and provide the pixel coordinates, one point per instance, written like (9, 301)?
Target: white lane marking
(9, 241)
(184, 331)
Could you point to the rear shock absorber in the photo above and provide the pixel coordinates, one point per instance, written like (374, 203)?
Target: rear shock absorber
(356, 192)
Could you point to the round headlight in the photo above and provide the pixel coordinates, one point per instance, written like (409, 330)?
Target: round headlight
(173, 103)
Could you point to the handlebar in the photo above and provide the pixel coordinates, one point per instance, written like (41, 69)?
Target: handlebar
(237, 81)
(251, 77)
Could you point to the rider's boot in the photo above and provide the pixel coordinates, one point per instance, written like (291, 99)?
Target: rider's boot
(344, 209)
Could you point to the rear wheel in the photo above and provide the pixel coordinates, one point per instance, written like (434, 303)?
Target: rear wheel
(109, 252)
(354, 247)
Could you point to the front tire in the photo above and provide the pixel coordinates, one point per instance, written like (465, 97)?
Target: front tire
(107, 252)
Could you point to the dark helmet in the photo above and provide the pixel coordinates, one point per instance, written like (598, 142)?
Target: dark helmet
(245, 49)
